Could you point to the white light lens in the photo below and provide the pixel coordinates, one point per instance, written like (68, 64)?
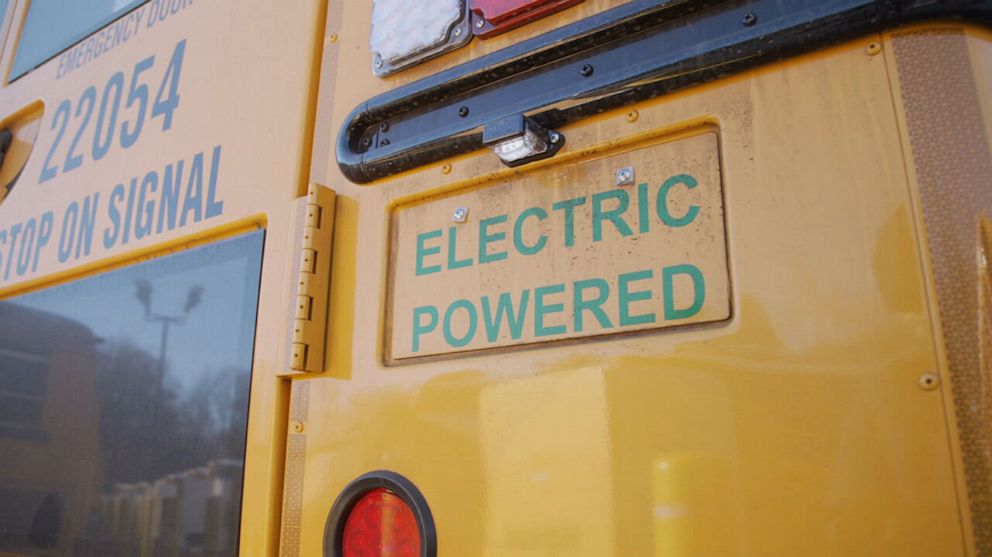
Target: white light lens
(527, 145)
(405, 32)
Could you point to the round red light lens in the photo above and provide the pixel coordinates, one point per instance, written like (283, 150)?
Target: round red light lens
(381, 525)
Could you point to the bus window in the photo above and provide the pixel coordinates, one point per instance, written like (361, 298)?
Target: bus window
(3, 11)
(53, 25)
(123, 407)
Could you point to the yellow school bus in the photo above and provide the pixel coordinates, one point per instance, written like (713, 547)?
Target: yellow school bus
(495, 277)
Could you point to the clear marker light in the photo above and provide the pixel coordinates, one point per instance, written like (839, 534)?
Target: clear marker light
(406, 32)
(518, 140)
(527, 145)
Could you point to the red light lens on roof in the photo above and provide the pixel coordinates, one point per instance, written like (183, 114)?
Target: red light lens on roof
(492, 17)
(381, 525)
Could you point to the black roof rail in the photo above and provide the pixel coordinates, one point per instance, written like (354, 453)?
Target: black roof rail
(627, 54)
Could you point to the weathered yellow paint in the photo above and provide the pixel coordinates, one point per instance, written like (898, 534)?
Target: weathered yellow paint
(249, 83)
(797, 427)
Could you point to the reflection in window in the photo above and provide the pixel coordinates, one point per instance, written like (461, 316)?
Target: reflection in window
(123, 408)
(3, 13)
(52, 26)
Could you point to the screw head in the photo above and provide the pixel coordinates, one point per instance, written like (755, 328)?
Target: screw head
(873, 48)
(587, 70)
(366, 142)
(749, 19)
(463, 111)
(929, 381)
(480, 23)
(458, 31)
(378, 62)
(632, 116)
(553, 137)
(625, 176)
(384, 126)
(460, 214)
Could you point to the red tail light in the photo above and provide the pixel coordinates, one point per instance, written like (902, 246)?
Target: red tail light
(380, 514)
(381, 525)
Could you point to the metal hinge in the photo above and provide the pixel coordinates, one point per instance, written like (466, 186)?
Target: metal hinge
(308, 320)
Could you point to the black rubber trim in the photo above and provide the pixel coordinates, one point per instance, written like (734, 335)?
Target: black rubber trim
(397, 484)
(637, 51)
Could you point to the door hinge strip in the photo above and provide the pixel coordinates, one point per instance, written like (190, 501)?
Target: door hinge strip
(312, 266)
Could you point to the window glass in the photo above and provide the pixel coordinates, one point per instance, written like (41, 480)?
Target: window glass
(3, 11)
(52, 26)
(123, 407)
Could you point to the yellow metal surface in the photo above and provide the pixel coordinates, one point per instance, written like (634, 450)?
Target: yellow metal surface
(797, 428)
(237, 148)
(630, 241)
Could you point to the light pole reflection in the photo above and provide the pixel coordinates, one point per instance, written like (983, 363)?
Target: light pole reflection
(143, 292)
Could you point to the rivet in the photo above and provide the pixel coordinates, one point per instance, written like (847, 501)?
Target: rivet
(929, 381)
(625, 176)
(480, 23)
(333, 38)
(384, 126)
(632, 116)
(297, 426)
(460, 214)
(873, 48)
(587, 70)
(366, 142)
(554, 137)
(458, 31)
(749, 19)
(446, 168)
(463, 111)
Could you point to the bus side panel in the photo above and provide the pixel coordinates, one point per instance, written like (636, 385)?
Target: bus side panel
(227, 117)
(797, 427)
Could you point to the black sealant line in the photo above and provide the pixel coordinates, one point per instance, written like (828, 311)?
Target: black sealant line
(634, 52)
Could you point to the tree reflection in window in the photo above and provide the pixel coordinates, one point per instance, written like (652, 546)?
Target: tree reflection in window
(137, 442)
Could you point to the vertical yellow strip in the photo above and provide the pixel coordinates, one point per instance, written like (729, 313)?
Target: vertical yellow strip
(953, 163)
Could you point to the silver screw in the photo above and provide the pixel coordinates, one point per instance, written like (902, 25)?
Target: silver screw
(458, 31)
(480, 23)
(460, 214)
(625, 176)
(378, 62)
(554, 137)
